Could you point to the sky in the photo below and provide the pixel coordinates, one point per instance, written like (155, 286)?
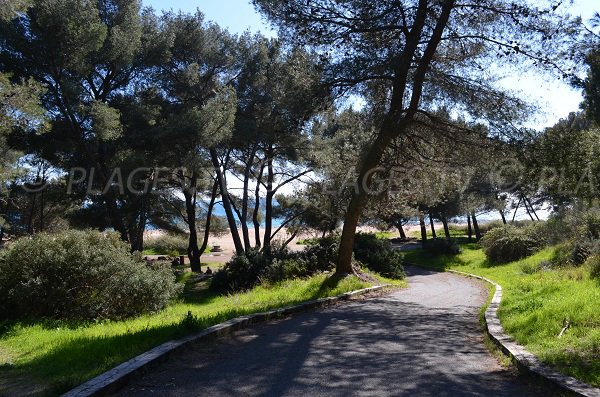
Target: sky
(554, 97)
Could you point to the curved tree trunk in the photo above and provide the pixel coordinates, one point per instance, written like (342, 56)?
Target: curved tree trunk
(446, 228)
(433, 233)
(502, 216)
(401, 231)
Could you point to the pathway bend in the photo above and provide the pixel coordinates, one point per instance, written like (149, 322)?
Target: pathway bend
(421, 341)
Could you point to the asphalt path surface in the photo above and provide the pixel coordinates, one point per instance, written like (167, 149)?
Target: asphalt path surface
(422, 341)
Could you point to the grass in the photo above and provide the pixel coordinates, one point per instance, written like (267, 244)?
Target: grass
(536, 304)
(384, 235)
(454, 232)
(60, 356)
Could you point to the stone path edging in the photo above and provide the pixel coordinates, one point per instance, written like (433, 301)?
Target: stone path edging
(117, 377)
(524, 359)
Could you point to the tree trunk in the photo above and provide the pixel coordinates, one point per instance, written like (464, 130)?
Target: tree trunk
(476, 226)
(190, 193)
(1, 236)
(401, 231)
(469, 227)
(42, 205)
(503, 217)
(257, 207)
(31, 214)
(138, 242)
(289, 240)
(244, 215)
(527, 209)
(209, 211)
(516, 209)
(423, 229)
(269, 205)
(446, 228)
(532, 209)
(235, 235)
(433, 234)
(344, 264)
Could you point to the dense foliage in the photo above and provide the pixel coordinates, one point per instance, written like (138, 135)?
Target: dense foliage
(80, 276)
(510, 243)
(378, 255)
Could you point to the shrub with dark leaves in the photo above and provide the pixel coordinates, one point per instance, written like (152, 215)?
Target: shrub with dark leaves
(242, 272)
(378, 255)
(442, 246)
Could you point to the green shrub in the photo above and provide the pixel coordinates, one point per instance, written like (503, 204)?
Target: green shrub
(510, 243)
(487, 226)
(562, 255)
(167, 244)
(321, 256)
(590, 224)
(79, 275)
(442, 246)
(378, 255)
(593, 263)
(241, 273)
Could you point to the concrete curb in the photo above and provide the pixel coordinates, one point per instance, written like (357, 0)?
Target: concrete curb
(522, 358)
(116, 378)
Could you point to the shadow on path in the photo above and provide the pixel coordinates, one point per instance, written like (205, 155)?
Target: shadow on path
(423, 341)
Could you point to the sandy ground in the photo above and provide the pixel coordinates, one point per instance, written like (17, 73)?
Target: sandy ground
(228, 248)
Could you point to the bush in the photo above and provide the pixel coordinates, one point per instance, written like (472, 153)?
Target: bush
(510, 243)
(589, 226)
(242, 272)
(321, 256)
(593, 263)
(442, 246)
(167, 244)
(378, 255)
(487, 226)
(79, 275)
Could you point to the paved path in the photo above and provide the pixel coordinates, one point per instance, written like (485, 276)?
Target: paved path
(422, 341)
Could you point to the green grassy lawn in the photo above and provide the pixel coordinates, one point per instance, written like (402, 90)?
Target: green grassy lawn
(536, 303)
(59, 356)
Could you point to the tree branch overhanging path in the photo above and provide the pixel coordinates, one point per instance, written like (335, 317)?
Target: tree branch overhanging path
(416, 56)
(421, 341)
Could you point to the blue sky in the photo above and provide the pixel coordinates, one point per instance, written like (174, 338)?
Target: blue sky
(236, 15)
(555, 97)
